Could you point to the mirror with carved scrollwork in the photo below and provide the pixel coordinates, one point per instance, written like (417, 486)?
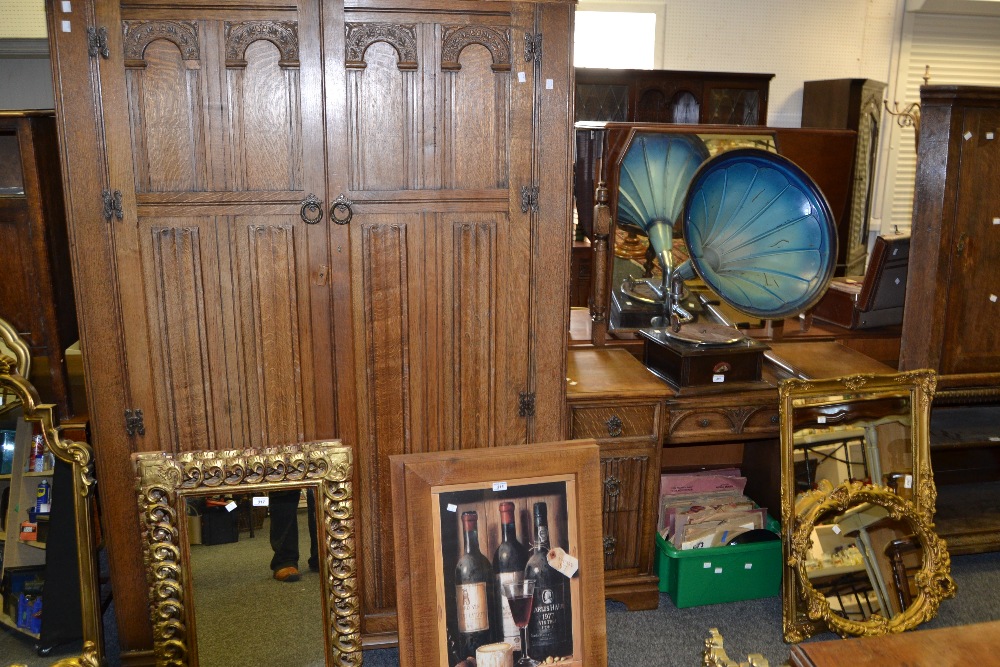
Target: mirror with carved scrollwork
(206, 579)
(868, 432)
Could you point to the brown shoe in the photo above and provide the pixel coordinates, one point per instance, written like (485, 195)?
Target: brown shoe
(287, 574)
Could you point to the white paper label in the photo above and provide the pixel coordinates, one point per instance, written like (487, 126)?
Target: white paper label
(718, 570)
(908, 482)
(897, 281)
(894, 251)
(748, 566)
(706, 565)
(521, 78)
(821, 419)
(967, 136)
(989, 136)
(836, 529)
(260, 501)
(65, 26)
(548, 84)
(452, 508)
(499, 486)
(993, 298)
(994, 438)
(996, 221)
(563, 562)
(67, 6)
(231, 505)
(718, 377)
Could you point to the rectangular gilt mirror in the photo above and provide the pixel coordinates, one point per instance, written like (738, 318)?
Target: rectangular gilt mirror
(870, 430)
(206, 579)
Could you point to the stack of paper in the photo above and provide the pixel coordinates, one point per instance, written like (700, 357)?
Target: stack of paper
(706, 509)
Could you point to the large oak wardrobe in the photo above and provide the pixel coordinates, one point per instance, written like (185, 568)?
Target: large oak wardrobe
(314, 219)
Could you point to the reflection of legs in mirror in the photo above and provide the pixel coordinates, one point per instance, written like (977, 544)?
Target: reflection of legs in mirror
(285, 534)
(313, 548)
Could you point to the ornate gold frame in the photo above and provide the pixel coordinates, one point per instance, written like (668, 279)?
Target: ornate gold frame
(715, 654)
(164, 480)
(919, 386)
(933, 581)
(80, 456)
(11, 342)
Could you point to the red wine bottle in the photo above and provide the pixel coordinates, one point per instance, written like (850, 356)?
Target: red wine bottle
(474, 597)
(550, 631)
(509, 561)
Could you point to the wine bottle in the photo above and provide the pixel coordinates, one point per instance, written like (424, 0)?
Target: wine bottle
(473, 592)
(550, 633)
(509, 561)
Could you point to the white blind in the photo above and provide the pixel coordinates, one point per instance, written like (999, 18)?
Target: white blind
(961, 50)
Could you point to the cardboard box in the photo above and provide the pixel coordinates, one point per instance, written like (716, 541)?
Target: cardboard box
(719, 574)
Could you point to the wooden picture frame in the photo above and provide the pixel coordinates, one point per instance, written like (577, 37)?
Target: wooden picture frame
(430, 493)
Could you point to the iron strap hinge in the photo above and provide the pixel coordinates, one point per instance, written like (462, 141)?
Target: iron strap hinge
(134, 423)
(112, 201)
(529, 198)
(97, 42)
(533, 48)
(526, 404)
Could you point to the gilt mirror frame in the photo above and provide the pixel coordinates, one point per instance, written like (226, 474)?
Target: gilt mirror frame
(16, 349)
(918, 386)
(164, 483)
(79, 456)
(933, 581)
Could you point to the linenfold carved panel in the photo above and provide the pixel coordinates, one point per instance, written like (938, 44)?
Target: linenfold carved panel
(140, 34)
(624, 483)
(283, 34)
(402, 37)
(495, 38)
(386, 420)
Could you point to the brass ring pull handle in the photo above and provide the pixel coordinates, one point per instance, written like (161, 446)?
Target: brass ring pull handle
(311, 203)
(341, 203)
(614, 425)
(610, 543)
(612, 486)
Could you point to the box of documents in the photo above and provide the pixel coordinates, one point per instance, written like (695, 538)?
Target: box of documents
(694, 577)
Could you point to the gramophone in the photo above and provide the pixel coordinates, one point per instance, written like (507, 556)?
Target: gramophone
(759, 233)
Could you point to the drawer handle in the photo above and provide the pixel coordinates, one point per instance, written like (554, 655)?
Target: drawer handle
(609, 546)
(613, 486)
(614, 425)
(774, 419)
(704, 423)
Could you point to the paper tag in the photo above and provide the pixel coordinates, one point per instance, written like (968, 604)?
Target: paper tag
(967, 136)
(748, 566)
(993, 298)
(821, 419)
(836, 529)
(718, 377)
(996, 221)
(718, 570)
(65, 26)
(562, 561)
(548, 84)
(452, 508)
(521, 78)
(908, 482)
(989, 136)
(260, 501)
(67, 6)
(706, 564)
(231, 505)
(499, 486)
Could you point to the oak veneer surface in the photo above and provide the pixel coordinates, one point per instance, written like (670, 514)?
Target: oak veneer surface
(321, 207)
(961, 645)
(614, 371)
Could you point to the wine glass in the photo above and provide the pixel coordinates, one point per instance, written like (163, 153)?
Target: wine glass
(520, 595)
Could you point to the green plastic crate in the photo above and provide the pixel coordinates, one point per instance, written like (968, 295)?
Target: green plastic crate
(697, 577)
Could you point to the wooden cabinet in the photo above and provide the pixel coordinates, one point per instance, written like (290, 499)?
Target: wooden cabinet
(952, 305)
(852, 104)
(324, 219)
(36, 293)
(612, 398)
(670, 96)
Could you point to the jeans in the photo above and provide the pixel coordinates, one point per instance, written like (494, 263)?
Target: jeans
(285, 528)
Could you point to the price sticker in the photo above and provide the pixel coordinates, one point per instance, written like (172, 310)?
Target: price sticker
(836, 530)
(707, 565)
(521, 78)
(718, 570)
(821, 419)
(548, 84)
(562, 561)
(231, 505)
(260, 501)
(908, 482)
(499, 486)
(967, 136)
(718, 377)
(747, 566)
(452, 508)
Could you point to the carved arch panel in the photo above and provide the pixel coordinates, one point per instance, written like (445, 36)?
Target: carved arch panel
(283, 34)
(496, 39)
(401, 37)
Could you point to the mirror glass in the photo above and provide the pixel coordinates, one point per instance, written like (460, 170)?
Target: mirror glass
(213, 598)
(231, 554)
(869, 432)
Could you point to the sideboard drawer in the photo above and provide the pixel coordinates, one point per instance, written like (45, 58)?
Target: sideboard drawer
(699, 424)
(603, 422)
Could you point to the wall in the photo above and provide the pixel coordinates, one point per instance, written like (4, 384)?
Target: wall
(796, 40)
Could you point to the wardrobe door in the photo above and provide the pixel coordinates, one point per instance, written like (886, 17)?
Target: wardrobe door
(432, 140)
(216, 313)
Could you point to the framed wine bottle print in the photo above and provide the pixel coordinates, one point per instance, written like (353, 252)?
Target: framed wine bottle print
(499, 560)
